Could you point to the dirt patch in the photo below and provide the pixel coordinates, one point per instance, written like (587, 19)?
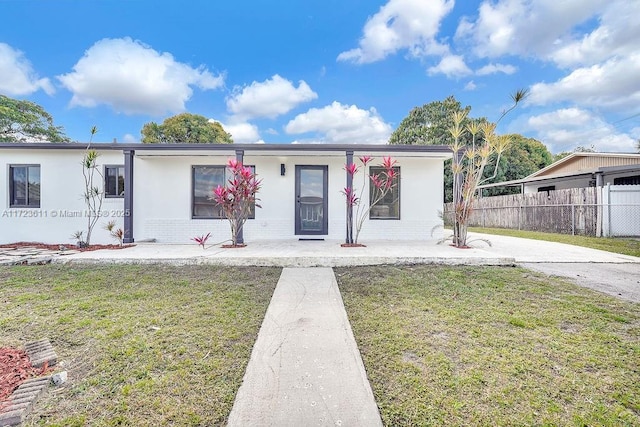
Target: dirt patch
(58, 247)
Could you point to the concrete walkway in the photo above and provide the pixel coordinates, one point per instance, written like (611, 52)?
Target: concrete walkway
(305, 367)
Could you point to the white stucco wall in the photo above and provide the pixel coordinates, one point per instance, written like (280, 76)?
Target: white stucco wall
(162, 201)
(62, 208)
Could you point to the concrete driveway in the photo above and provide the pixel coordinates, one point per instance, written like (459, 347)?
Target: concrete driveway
(613, 274)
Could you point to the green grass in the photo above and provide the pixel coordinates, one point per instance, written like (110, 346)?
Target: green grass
(143, 346)
(609, 244)
(493, 346)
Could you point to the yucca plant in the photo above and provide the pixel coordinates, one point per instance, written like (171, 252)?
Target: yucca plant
(116, 233)
(93, 184)
(469, 164)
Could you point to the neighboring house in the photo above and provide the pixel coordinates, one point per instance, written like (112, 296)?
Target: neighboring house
(162, 191)
(579, 170)
(609, 191)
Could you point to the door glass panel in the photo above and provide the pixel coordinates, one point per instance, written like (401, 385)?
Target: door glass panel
(311, 200)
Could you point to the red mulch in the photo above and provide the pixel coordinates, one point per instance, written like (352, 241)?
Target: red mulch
(57, 247)
(15, 368)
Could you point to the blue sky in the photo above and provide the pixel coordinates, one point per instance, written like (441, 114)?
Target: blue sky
(327, 71)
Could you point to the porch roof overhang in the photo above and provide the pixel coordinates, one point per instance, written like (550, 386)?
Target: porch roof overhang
(607, 170)
(149, 150)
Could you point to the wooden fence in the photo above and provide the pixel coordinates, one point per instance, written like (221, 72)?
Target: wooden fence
(572, 211)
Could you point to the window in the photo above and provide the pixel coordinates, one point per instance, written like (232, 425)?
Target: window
(389, 206)
(24, 186)
(114, 181)
(627, 180)
(547, 188)
(204, 180)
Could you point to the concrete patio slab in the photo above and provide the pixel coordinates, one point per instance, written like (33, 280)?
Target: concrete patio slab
(504, 250)
(296, 253)
(305, 367)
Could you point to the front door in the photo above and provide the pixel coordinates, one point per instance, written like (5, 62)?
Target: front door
(311, 200)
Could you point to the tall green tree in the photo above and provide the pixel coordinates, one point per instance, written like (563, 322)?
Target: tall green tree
(185, 128)
(25, 121)
(430, 124)
(578, 149)
(522, 157)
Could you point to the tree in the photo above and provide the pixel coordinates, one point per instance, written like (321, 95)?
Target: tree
(25, 121)
(522, 157)
(185, 128)
(578, 149)
(430, 124)
(638, 145)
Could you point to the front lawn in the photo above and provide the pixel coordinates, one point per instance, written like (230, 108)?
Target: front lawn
(143, 345)
(493, 346)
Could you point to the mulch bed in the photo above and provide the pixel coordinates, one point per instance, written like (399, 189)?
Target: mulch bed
(57, 247)
(15, 368)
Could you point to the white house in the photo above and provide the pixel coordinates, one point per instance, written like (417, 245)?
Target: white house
(162, 192)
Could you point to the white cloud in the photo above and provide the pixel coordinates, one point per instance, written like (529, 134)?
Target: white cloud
(496, 68)
(526, 27)
(401, 24)
(554, 30)
(271, 98)
(242, 132)
(128, 138)
(568, 128)
(451, 66)
(338, 123)
(613, 84)
(133, 78)
(17, 76)
(617, 35)
(470, 86)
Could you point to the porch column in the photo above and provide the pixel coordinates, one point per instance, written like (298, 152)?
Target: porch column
(128, 196)
(349, 238)
(240, 158)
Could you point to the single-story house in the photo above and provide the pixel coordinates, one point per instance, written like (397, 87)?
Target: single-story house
(162, 192)
(580, 170)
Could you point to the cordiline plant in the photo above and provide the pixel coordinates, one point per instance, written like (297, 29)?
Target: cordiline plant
(381, 185)
(237, 197)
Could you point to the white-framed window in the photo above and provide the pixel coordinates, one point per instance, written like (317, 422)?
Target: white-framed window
(113, 181)
(24, 186)
(389, 206)
(205, 179)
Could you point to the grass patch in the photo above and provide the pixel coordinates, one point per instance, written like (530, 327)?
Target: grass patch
(143, 345)
(617, 245)
(493, 346)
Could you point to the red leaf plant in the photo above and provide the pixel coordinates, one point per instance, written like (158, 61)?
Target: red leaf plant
(237, 197)
(201, 240)
(380, 183)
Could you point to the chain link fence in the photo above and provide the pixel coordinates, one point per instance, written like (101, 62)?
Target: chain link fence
(617, 216)
(586, 220)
